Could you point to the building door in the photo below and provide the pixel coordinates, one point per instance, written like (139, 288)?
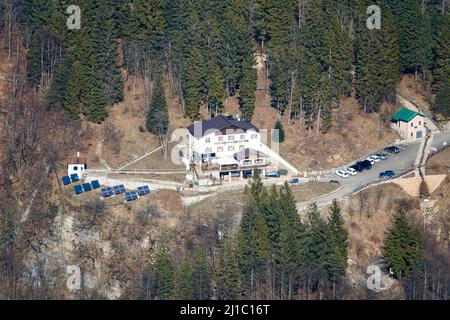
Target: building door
(418, 134)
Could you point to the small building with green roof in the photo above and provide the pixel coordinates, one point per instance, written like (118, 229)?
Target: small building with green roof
(409, 124)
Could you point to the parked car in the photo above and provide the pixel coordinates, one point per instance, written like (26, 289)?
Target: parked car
(375, 158)
(294, 181)
(382, 155)
(365, 164)
(392, 149)
(386, 174)
(357, 167)
(341, 173)
(372, 162)
(351, 171)
(273, 174)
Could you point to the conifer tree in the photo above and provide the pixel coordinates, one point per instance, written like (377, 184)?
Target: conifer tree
(201, 277)
(163, 275)
(253, 239)
(227, 271)
(279, 135)
(441, 104)
(337, 261)
(403, 246)
(157, 115)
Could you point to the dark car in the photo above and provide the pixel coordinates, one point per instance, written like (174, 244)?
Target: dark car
(365, 165)
(357, 167)
(392, 149)
(294, 181)
(387, 174)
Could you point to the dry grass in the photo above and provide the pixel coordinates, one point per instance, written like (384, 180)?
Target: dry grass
(439, 163)
(308, 191)
(354, 134)
(369, 214)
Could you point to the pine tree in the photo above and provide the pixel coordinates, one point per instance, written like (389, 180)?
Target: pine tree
(104, 48)
(441, 104)
(183, 287)
(441, 68)
(253, 239)
(215, 89)
(158, 115)
(227, 271)
(247, 88)
(201, 277)
(163, 275)
(278, 136)
(194, 83)
(337, 261)
(403, 246)
(75, 90)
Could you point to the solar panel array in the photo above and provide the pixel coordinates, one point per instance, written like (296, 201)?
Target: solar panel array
(78, 189)
(119, 189)
(106, 192)
(142, 191)
(74, 177)
(95, 184)
(130, 196)
(87, 186)
(66, 180)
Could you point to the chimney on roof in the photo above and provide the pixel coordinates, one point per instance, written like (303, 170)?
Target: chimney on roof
(78, 154)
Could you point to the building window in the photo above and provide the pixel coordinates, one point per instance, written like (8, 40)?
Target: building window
(208, 139)
(208, 150)
(75, 168)
(242, 136)
(220, 149)
(220, 138)
(254, 136)
(412, 124)
(420, 123)
(241, 148)
(230, 138)
(412, 135)
(230, 148)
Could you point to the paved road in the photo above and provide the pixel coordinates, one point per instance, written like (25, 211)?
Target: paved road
(400, 163)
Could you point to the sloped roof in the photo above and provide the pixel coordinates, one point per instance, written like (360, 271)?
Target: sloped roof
(76, 160)
(221, 122)
(405, 115)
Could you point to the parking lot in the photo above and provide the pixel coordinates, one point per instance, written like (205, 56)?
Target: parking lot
(400, 163)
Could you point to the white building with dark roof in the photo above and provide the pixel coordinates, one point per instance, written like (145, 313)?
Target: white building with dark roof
(221, 136)
(227, 146)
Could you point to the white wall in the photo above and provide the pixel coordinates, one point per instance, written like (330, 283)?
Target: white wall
(408, 130)
(211, 143)
(76, 168)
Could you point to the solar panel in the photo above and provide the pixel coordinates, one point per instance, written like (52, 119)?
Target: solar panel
(95, 184)
(119, 189)
(87, 186)
(130, 196)
(143, 190)
(106, 192)
(66, 180)
(74, 177)
(78, 189)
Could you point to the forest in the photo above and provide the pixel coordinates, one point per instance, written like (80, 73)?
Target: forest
(317, 52)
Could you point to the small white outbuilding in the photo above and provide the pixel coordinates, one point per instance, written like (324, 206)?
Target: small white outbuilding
(77, 165)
